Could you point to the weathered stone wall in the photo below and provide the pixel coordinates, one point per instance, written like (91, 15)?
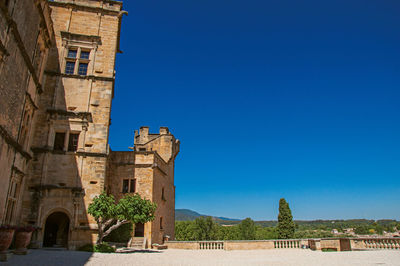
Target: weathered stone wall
(164, 148)
(25, 38)
(154, 178)
(248, 245)
(68, 180)
(183, 245)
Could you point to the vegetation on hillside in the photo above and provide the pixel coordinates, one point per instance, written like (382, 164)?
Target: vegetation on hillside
(210, 228)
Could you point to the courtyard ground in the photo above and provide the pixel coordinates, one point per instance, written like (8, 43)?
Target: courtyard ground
(209, 257)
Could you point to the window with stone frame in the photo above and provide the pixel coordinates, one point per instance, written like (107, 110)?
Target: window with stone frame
(60, 143)
(13, 195)
(73, 141)
(25, 126)
(129, 185)
(77, 61)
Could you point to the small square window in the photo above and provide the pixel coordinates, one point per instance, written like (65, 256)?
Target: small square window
(73, 141)
(85, 54)
(72, 53)
(59, 142)
(70, 67)
(82, 70)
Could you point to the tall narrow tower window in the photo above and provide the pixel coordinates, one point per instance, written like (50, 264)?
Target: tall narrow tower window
(125, 186)
(132, 188)
(59, 141)
(73, 141)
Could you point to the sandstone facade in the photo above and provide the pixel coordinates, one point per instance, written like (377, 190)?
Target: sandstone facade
(149, 171)
(57, 78)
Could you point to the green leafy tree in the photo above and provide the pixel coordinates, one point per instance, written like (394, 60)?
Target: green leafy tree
(263, 233)
(247, 229)
(286, 225)
(110, 215)
(204, 229)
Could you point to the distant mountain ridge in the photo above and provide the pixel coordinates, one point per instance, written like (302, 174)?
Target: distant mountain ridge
(189, 215)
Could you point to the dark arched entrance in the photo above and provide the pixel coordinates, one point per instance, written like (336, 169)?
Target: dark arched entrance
(56, 230)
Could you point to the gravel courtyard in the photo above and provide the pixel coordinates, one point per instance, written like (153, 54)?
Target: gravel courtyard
(209, 257)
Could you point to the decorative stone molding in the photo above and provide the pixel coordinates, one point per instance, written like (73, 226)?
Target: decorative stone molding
(13, 143)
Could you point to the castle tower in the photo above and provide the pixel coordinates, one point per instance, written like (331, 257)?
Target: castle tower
(70, 144)
(149, 171)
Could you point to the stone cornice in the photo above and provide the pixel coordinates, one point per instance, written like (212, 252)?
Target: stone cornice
(38, 150)
(94, 9)
(13, 143)
(87, 116)
(54, 73)
(52, 186)
(80, 37)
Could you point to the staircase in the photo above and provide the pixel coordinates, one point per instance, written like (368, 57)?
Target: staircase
(137, 243)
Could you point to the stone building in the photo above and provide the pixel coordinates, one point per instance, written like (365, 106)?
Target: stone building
(57, 77)
(26, 36)
(149, 171)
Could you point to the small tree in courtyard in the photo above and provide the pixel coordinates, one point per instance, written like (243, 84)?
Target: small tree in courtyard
(286, 225)
(110, 215)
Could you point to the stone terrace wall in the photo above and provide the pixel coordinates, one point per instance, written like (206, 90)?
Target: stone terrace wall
(340, 244)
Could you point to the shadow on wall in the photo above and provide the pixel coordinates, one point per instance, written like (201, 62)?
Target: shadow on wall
(55, 193)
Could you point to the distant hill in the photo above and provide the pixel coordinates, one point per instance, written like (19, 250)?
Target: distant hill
(186, 215)
(189, 215)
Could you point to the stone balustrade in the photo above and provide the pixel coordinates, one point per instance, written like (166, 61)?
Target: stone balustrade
(211, 245)
(339, 244)
(378, 243)
(287, 243)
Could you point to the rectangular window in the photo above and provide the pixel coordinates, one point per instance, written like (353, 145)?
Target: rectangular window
(162, 194)
(125, 186)
(142, 149)
(161, 223)
(70, 67)
(82, 70)
(73, 141)
(59, 141)
(72, 53)
(13, 197)
(85, 54)
(132, 188)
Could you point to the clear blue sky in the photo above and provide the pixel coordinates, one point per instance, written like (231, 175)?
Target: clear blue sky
(270, 99)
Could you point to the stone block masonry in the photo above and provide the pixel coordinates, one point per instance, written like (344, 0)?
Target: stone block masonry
(57, 81)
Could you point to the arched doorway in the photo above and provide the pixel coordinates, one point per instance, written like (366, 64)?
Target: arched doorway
(56, 230)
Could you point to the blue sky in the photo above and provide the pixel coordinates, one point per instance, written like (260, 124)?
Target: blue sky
(270, 99)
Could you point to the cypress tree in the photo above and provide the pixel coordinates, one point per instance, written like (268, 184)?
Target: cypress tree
(285, 221)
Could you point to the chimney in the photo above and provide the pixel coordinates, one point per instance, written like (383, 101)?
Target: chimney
(164, 131)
